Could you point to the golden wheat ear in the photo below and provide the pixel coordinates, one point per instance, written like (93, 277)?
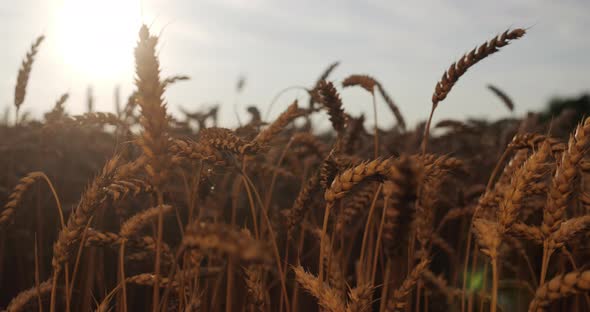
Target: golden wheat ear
(370, 84)
(458, 69)
(399, 300)
(327, 297)
(20, 90)
(559, 287)
(366, 82)
(20, 302)
(279, 124)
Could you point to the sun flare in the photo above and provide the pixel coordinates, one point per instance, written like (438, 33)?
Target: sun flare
(96, 38)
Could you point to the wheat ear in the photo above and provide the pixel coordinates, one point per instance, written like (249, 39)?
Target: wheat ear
(503, 96)
(457, 69)
(327, 297)
(20, 301)
(22, 79)
(400, 296)
(559, 287)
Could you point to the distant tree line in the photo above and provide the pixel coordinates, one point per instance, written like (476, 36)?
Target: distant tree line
(578, 107)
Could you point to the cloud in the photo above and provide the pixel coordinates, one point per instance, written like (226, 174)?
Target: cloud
(407, 45)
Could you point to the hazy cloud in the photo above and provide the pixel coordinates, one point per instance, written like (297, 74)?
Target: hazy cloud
(277, 44)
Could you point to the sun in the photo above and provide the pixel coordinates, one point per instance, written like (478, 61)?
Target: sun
(96, 38)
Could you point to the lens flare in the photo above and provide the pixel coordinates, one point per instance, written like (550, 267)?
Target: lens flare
(96, 38)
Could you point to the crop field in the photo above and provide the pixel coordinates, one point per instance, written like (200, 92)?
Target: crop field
(140, 210)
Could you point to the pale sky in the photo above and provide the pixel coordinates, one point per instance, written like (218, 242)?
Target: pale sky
(407, 45)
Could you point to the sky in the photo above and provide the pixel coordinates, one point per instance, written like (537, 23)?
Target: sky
(407, 45)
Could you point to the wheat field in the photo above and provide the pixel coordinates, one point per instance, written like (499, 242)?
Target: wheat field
(139, 210)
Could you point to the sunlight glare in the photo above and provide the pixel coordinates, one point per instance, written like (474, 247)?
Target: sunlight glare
(96, 38)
